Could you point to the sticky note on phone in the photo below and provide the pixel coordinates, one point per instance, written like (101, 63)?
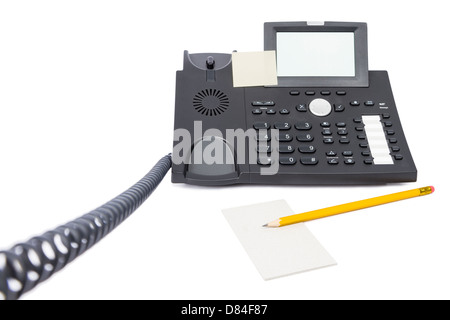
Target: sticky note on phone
(253, 69)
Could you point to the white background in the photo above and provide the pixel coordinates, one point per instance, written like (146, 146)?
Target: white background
(86, 109)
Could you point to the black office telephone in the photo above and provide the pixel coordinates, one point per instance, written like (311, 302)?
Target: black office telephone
(328, 120)
(335, 122)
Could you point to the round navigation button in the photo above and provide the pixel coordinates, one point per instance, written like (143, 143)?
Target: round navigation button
(320, 107)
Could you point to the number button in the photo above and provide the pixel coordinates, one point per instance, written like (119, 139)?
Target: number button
(303, 125)
(285, 137)
(263, 136)
(265, 161)
(282, 126)
(305, 137)
(309, 161)
(286, 149)
(307, 149)
(288, 160)
(263, 149)
(261, 125)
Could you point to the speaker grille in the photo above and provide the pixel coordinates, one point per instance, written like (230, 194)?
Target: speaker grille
(211, 102)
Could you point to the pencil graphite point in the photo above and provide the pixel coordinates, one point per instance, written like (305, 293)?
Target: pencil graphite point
(272, 224)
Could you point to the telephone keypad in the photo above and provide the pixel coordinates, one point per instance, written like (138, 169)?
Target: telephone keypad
(298, 132)
(304, 133)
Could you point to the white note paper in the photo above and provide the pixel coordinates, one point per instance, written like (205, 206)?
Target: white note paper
(276, 252)
(251, 69)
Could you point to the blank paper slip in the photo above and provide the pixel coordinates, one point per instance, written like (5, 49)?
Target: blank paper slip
(276, 252)
(252, 69)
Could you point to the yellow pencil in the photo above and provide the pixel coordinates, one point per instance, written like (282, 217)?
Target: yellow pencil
(352, 206)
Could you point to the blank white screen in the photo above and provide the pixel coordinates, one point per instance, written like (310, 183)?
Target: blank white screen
(316, 54)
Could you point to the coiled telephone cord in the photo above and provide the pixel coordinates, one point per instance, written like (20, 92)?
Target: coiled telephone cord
(27, 264)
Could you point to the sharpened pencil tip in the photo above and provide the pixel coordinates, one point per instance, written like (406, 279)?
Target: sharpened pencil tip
(265, 225)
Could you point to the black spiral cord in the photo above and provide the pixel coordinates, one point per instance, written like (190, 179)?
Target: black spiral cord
(27, 264)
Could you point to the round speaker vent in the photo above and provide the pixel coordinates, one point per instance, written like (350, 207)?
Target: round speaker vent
(211, 102)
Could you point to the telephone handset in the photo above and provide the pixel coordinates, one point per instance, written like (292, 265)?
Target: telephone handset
(328, 121)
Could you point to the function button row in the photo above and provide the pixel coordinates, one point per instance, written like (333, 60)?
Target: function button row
(328, 140)
(356, 103)
(270, 111)
(328, 132)
(339, 107)
(320, 107)
(312, 92)
(326, 124)
(334, 161)
(332, 153)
